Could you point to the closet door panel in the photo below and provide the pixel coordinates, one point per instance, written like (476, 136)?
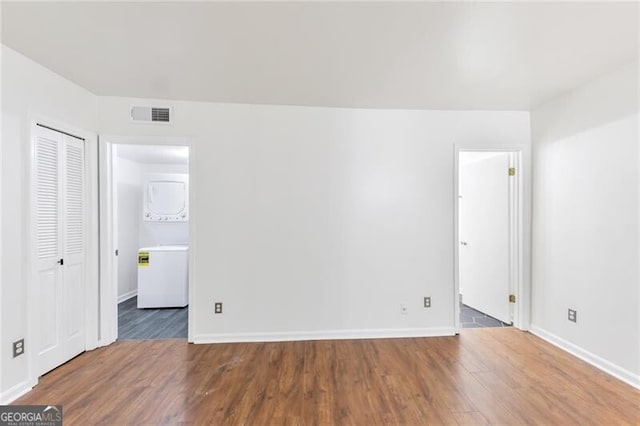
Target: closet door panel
(74, 246)
(48, 272)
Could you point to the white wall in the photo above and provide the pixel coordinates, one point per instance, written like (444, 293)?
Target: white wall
(28, 91)
(319, 222)
(323, 220)
(586, 219)
(128, 175)
(311, 221)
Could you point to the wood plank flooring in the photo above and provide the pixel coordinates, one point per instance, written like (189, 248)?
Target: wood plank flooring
(137, 324)
(483, 376)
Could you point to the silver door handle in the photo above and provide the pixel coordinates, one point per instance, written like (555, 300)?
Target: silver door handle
(464, 243)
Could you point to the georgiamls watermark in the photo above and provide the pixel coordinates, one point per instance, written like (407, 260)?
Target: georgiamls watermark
(30, 415)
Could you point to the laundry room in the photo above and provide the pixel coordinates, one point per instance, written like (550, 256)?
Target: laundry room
(150, 185)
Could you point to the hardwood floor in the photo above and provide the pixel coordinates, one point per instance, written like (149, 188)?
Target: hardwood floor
(491, 375)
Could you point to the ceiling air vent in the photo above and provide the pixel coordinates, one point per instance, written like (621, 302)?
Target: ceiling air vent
(145, 114)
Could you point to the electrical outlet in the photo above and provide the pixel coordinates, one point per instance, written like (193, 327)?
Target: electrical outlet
(217, 308)
(573, 315)
(403, 309)
(18, 347)
(427, 301)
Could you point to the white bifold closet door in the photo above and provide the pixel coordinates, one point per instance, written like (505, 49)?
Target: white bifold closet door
(59, 244)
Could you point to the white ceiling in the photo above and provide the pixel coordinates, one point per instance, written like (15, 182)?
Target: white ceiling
(471, 55)
(154, 154)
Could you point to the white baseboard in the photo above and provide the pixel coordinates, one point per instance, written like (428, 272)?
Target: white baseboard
(598, 362)
(16, 391)
(323, 335)
(127, 296)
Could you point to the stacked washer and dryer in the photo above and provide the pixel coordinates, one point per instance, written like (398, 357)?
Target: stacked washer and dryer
(163, 270)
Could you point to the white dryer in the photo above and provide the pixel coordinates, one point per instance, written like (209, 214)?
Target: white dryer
(163, 276)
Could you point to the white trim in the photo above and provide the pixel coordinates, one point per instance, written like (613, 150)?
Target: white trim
(390, 333)
(598, 362)
(191, 311)
(92, 265)
(108, 289)
(519, 251)
(127, 296)
(108, 292)
(17, 391)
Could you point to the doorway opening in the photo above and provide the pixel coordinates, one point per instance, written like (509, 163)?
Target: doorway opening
(488, 237)
(150, 240)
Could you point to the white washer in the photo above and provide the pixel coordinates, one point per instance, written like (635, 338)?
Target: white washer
(163, 276)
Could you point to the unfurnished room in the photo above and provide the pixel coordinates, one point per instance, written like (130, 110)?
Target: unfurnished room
(320, 212)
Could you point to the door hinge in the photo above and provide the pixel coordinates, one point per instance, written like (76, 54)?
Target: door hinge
(512, 171)
(512, 298)
(116, 252)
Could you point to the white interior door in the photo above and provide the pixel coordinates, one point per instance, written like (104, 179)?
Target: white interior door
(484, 273)
(60, 246)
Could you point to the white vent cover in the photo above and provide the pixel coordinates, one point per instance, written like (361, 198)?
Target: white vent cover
(147, 114)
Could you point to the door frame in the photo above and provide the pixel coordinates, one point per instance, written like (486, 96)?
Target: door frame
(520, 240)
(108, 276)
(91, 274)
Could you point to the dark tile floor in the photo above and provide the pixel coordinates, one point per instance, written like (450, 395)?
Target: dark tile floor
(138, 324)
(471, 318)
